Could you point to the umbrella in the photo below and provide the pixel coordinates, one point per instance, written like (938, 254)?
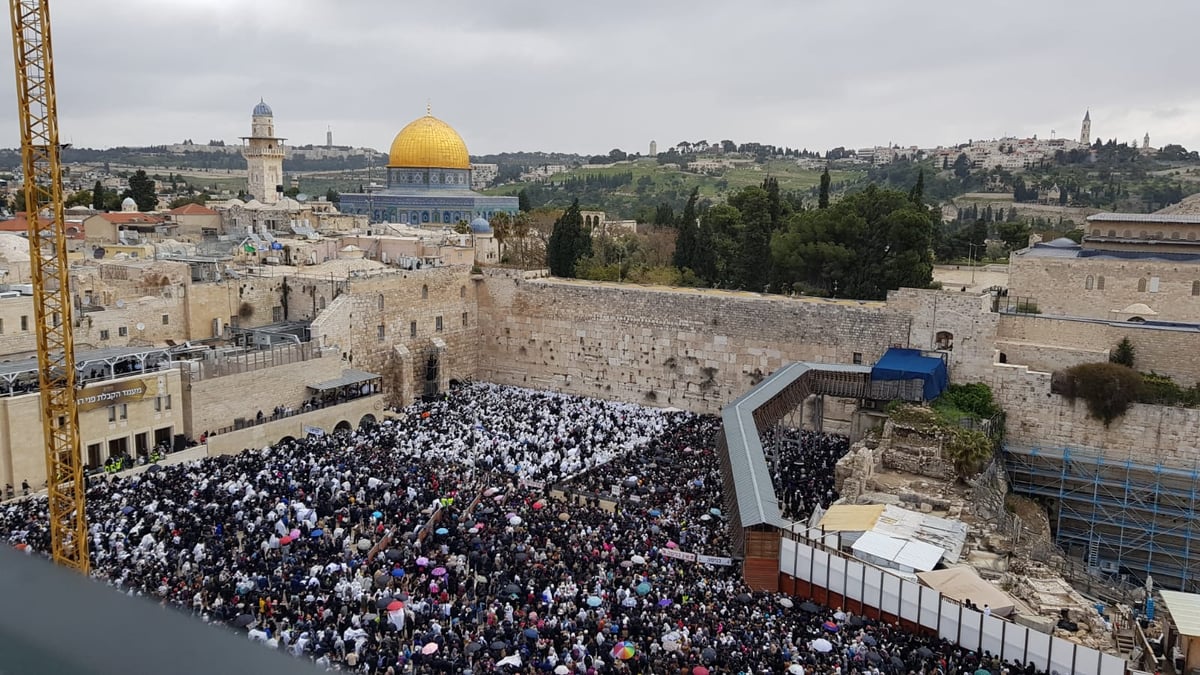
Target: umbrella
(655, 513)
(744, 598)
(383, 602)
(439, 571)
(398, 572)
(796, 669)
(561, 670)
(629, 601)
(925, 652)
(521, 557)
(670, 641)
(810, 607)
(715, 511)
(395, 606)
(655, 529)
(786, 603)
(699, 670)
(376, 515)
(623, 651)
(422, 561)
(514, 661)
(983, 671)
(538, 505)
(512, 589)
(627, 563)
(665, 602)
(594, 601)
(394, 554)
(671, 544)
(868, 640)
(498, 645)
(855, 621)
(530, 633)
(643, 588)
(830, 626)
(638, 560)
(127, 510)
(441, 532)
(154, 468)
(285, 540)
(899, 663)
(294, 533)
(364, 545)
(243, 620)
(317, 533)
(709, 655)
(706, 517)
(564, 516)
(821, 645)
(874, 657)
(514, 521)
(429, 648)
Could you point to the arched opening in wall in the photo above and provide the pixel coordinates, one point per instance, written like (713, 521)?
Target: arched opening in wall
(368, 421)
(287, 439)
(1089, 282)
(1100, 283)
(1136, 319)
(424, 292)
(1003, 357)
(462, 291)
(321, 302)
(342, 426)
(1112, 233)
(1141, 285)
(381, 302)
(944, 340)
(1096, 232)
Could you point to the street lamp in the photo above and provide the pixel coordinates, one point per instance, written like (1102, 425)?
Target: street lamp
(971, 259)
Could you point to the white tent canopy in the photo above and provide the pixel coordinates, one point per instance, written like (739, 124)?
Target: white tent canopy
(962, 583)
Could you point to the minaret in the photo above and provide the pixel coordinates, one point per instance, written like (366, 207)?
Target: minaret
(264, 156)
(1085, 134)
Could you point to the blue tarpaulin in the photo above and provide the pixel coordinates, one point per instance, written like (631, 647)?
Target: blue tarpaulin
(909, 364)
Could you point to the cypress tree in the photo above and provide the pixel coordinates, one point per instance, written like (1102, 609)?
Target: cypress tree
(686, 241)
(568, 243)
(98, 196)
(823, 196)
(917, 194)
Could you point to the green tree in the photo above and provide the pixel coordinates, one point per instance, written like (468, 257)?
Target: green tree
(80, 198)
(98, 196)
(686, 239)
(823, 195)
(969, 450)
(523, 201)
(664, 215)
(568, 243)
(141, 188)
(1124, 354)
(462, 227)
(332, 195)
(866, 244)
(751, 265)
(1014, 234)
(962, 166)
(917, 194)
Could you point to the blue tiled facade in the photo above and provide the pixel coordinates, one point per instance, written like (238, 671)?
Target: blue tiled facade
(426, 198)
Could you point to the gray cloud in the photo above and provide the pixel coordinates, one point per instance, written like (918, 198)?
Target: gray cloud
(588, 77)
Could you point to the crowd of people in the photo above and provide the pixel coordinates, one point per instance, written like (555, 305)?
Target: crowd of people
(431, 543)
(803, 468)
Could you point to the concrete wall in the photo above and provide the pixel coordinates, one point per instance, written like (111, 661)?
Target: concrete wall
(687, 348)
(1059, 285)
(261, 435)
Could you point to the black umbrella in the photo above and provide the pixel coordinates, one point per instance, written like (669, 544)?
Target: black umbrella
(243, 620)
(521, 557)
(473, 647)
(855, 621)
(499, 645)
(867, 639)
(810, 607)
(383, 602)
(897, 661)
(874, 657)
(154, 468)
(512, 589)
(394, 555)
(744, 598)
(925, 652)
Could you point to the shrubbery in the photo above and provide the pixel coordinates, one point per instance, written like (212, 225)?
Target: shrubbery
(1107, 388)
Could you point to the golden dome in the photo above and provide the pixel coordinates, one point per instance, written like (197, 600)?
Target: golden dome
(429, 143)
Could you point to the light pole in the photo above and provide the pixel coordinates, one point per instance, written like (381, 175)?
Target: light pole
(971, 259)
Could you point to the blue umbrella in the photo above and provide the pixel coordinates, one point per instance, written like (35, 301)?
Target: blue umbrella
(441, 531)
(317, 533)
(665, 602)
(398, 572)
(127, 510)
(594, 601)
(377, 515)
(715, 511)
(655, 512)
(643, 588)
(531, 633)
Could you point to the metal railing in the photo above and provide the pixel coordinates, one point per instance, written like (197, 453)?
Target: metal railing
(248, 362)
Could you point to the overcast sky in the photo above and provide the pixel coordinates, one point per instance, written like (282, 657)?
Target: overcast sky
(585, 77)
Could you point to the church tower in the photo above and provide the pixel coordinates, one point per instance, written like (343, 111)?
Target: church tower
(1085, 134)
(264, 156)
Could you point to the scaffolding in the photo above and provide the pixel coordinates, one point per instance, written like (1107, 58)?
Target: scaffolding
(1120, 517)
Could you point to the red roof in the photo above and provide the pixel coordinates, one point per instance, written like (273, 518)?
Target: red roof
(19, 223)
(131, 218)
(192, 209)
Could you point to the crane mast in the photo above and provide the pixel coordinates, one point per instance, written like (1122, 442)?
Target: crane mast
(40, 157)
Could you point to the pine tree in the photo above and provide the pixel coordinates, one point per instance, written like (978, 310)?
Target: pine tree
(98, 196)
(523, 201)
(568, 243)
(141, 188)
(686, 241)
(823, 195)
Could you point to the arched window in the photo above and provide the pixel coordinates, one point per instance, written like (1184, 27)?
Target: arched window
(462, 291)
(424, 292)
(1127, 234)
(321, 302)
(1096, 232)
(1142, 234)
(1196, 288)
(1141, 285)
(1112, 233)
(1191, 236)
(944, 340)
(1175, 235)
(1088, 283)
(381, 302)
(1100, 283)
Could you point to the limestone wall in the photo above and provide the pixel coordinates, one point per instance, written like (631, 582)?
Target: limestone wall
(1060, 286)
(690, 349)
(967, 317)
(326, 419)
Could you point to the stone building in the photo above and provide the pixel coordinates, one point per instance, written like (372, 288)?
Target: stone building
(264, 156)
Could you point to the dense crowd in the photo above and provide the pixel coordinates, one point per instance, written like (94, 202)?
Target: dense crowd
(430, 544)
(803, 471)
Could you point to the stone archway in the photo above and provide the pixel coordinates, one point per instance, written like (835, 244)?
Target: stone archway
(287, 439)
(368, 421)
(342, 426)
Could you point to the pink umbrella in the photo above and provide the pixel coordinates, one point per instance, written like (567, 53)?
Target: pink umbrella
(295, 534)
(429, 648)
(422, 561)
(439, 571)
(671, 544)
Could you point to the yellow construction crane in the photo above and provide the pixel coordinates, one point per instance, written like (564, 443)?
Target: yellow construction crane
(40, 158)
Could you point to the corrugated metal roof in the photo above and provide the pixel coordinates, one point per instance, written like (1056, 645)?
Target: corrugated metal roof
(1165, 218)
(349, 377)
(1185, 611)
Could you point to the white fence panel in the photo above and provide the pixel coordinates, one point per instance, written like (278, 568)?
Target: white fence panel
(787, 557)
(948, 630)
(820, 568)
(972, 624)
(993, 634)
(874, 584)
(1061, 656)
(1087, 661)
(854, 580)
(803, 562)
(891, 594)
(1014, 643)
(1039, 650)
(1111, 665)
(931, 601)
(910, 596)
(837, 575)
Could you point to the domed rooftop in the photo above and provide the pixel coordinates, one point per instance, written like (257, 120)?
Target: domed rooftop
(128, 204)
(481, 226)
(263, 109)
(1062, 242)
(428, 143)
